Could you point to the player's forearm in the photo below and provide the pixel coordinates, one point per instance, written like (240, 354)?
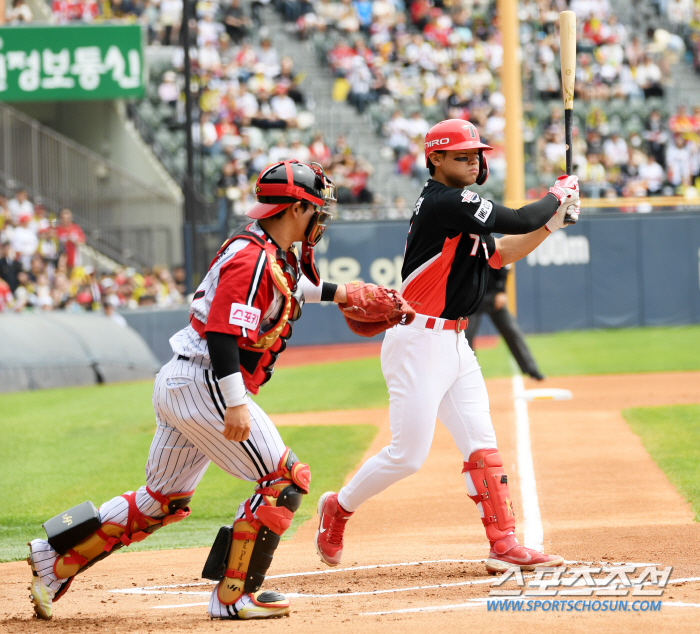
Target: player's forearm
(513, 248)
(225, 362)
(324, 292)
(526, 219)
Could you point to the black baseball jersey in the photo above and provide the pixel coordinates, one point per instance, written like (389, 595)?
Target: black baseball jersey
(449, 245)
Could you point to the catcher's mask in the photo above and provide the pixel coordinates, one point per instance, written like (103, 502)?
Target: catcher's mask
(282, 184)
(457, 134)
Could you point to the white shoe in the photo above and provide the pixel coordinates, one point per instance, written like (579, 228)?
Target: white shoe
(254, 605)
(41, 595)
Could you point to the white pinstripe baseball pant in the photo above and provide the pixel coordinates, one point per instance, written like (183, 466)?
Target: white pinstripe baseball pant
(189, 415)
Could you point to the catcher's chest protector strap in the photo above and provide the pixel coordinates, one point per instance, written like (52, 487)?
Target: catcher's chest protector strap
(111, 536)
(256, 535)
(485, 468)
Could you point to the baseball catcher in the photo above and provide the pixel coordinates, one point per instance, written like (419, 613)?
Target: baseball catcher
(241, 318)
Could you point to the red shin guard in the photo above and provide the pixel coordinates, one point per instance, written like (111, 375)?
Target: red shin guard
(485, 469)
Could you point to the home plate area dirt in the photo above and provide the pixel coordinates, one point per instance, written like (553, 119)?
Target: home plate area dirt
(413, 558)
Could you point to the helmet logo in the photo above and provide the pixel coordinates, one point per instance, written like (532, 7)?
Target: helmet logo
(470, 128)
(437, 142)
(257, 189)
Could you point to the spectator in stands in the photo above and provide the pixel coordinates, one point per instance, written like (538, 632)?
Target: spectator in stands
(547, 82)
(121, 9)
(19, 13)
(24, 241)
(236, 22)
(656, 136)
(6, 297)
(678, 162)
(170, 20)
(649, 78)
(319, 151)
(283, 106)
(681, 122)
(10, 267)
(652, 174)
(20, 206)
(593, 181)
(70, 236)
(179, 277)
(169, 90)
(111, 313)
(615, 149)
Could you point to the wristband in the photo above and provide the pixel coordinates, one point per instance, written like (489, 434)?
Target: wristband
(328, 291)
(233, 390)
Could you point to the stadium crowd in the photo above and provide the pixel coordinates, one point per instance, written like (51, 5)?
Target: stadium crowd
(409, 65)
(251, 108)
(41, 269)
(413, 65)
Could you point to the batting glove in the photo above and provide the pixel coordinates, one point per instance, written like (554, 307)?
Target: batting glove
(566, 189)
(567, 214)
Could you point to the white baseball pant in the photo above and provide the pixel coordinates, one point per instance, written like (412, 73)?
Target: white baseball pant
(189, 417)
(430, 373)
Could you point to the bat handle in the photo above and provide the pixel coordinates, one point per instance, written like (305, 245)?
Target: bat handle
(569, 139)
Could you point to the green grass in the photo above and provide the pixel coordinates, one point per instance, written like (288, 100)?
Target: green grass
(671, 435)
(62, 447)
(619, 351)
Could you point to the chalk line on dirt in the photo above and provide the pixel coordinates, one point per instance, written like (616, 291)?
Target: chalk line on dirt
(533, 533)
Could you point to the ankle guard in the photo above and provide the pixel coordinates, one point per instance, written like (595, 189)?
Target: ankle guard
(256, 535)
(485, 468)
(110, 536)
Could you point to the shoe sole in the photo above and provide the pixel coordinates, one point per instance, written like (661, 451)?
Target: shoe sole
(267, 614)
(496, 566)
(319, 510)
(37, 610)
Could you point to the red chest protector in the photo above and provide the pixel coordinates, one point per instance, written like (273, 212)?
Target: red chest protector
(258, 358)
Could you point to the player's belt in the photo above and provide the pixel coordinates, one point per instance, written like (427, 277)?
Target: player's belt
(437, 323)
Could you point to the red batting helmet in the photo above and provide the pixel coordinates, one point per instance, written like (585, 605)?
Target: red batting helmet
(457, 134)
(282, 184)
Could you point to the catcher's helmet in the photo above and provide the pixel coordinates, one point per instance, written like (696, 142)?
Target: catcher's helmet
(457, 134)
(282, 184)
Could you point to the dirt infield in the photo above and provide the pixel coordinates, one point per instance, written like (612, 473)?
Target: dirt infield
(601, 499)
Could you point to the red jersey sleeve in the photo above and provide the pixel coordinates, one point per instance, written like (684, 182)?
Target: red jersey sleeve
(243, 294)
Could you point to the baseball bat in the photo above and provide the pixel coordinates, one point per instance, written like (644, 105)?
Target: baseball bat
(567, 56)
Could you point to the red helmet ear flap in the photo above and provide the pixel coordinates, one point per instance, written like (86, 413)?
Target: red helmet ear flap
(483, 169)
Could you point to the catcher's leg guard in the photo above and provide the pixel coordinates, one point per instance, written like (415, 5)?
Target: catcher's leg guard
(256, 535)
(490, 492)
(111, 536)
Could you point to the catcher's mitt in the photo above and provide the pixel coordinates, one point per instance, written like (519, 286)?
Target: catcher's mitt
(371, 309)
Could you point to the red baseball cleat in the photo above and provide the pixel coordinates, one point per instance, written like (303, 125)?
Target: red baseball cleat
(331, 526)
(515, 555)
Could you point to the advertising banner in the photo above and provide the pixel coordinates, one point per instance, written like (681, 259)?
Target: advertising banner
(67, 63)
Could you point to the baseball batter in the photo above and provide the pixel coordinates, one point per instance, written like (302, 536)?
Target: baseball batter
(429, 368)
(240, 320)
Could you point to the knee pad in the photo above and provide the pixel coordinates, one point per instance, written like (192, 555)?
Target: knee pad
(255, 536)
(485, 468)
(110, 536)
